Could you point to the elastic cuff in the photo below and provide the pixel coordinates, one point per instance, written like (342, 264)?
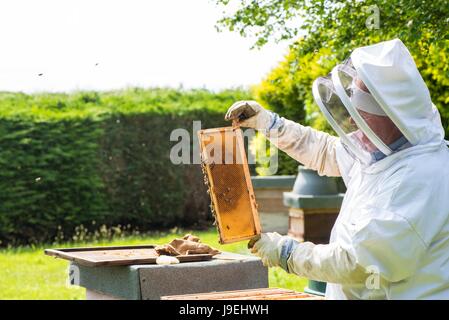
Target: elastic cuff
(288, 247)
(275, 123)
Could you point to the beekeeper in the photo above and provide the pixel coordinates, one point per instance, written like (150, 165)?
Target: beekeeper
(391, 238)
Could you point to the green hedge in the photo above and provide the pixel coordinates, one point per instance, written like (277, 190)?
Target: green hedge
(96, 159)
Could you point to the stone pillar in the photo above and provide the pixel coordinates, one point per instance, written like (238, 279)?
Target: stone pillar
(269, 192)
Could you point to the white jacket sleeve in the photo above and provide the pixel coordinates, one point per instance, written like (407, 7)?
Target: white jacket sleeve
(377, 241)
(314, 149)
(329, 263)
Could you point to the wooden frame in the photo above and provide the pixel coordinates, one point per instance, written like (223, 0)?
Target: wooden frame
(117, 255)
(237, 218)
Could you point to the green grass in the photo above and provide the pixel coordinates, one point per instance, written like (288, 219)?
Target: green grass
(26, 273)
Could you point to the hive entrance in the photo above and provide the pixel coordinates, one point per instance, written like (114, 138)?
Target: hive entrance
(226, 172)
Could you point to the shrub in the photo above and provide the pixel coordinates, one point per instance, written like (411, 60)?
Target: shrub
(328, 31)
(94, 159)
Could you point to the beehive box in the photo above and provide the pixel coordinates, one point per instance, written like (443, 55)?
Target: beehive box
(226, 171)
(117, 255)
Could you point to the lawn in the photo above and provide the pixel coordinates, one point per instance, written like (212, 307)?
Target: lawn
(26, 273)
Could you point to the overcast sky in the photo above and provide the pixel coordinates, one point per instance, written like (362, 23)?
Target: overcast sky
(65, 45)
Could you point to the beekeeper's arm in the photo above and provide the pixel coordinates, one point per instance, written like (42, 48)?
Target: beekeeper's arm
(314, 149)
(380, 243)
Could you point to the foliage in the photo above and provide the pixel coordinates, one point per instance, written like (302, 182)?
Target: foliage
(336, 24)
(324, 32)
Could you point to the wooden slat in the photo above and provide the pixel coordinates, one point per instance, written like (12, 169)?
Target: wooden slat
(310, 298)
(251, 294)
(226, 294)
(117, 256)
(279, 296)
(143, 246)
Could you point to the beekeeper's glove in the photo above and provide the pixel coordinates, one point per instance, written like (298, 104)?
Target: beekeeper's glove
(273, 249)
(251, 114)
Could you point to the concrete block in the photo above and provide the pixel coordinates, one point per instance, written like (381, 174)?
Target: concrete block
(274, 222)
(120, 282)
(294, 200)
(245, 272)
(273, 182)
(94, 295)
(149, 281)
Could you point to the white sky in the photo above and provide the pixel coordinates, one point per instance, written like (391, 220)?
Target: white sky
(135, 43)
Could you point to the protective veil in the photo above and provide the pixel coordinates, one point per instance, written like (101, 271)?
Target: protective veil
(363, 126)
(391, 238)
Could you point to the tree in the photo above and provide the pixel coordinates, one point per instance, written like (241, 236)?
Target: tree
(323, 32)
(342, 24)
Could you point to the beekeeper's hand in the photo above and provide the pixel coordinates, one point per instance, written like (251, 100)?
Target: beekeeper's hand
(251, 114)
(268, 247)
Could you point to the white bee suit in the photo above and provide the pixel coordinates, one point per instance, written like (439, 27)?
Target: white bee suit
(394, 220)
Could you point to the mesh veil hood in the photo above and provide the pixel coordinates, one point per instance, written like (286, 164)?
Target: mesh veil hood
(390, 73)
